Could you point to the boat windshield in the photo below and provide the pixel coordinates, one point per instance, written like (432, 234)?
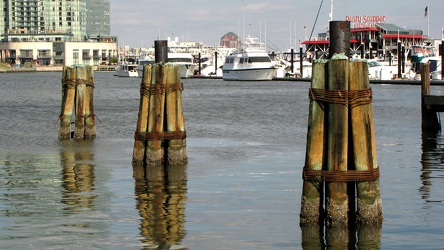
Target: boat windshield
(373, 64)
(259, 59)
(185, 60)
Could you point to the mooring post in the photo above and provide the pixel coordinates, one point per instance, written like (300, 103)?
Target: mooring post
(430, 121)
(160, 132)
(399, 59)
(301, 60)
(441, 50)
(341, 148)
(77, 94)
(215, 63)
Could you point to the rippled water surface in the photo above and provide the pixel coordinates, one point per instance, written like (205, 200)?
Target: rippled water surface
(240, 190)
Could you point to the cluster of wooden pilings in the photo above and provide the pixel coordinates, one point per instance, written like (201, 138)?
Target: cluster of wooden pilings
(341, 174)
(77, 103)
(160, 136)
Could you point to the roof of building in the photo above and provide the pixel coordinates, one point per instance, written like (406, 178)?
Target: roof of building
(390, 28)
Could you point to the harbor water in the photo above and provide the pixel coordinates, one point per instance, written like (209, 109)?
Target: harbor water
(241, 188)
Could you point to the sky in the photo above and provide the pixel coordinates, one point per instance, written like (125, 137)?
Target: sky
(282, 23)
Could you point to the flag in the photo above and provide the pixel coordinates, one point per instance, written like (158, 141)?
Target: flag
(425, 11)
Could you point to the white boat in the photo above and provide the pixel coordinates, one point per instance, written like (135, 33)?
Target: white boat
(250, 63)
(142, 62)
(185, 62)
(379, 71)
(126, 69)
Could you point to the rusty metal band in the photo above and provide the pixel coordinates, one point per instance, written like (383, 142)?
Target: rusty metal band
(341, 176)
(74, 82)
(164, 135)
(345, 97)
(159, 89)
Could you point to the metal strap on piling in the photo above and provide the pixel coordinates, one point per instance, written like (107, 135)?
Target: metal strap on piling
(164, 135)
(351, 98)
(340, 176)
(159, 89)
(71, 83)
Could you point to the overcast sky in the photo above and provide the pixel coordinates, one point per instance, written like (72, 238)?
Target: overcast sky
(138, 23)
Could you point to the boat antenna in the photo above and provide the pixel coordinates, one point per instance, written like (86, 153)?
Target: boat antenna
(314, 25)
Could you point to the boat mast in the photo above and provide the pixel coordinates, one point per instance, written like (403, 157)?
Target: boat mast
(331, 10)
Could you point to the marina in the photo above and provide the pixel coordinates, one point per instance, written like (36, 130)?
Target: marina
(241, 188)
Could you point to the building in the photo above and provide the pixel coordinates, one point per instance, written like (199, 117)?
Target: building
(56, 32)
(230, 40)
(371, 37)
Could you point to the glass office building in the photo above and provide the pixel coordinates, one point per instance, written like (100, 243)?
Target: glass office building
(77, 19)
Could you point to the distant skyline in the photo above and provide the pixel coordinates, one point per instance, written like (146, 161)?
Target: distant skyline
(284, 23)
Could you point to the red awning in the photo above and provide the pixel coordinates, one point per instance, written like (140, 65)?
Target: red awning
(388, 36)
(316, 42)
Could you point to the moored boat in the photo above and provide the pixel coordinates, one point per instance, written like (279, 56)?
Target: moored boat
(250, 63)
(126, 69)
(185, 62)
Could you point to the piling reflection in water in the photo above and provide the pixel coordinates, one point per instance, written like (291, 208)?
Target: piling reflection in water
(78, 175)
(432, 160)
(160, 199)
(365, 236)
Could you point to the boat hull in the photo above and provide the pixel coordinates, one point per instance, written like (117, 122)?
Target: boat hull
(264, 74)
(127, 74)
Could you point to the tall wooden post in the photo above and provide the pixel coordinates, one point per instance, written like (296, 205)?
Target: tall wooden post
(337, 143)
(84, 124)
(68, 98)
(155, 152)
(312, 193)
(399, 59)
(429, 119)
(301, 60)
(441, 50)
(369, 204)
(142, 121)
(175, 125)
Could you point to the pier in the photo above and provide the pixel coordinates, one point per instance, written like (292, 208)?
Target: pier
(431, 105)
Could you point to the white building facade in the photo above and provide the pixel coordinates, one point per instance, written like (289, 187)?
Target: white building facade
(56, 32)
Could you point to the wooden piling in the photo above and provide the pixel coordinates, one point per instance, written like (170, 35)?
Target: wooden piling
(430, 121)
(142, 121)
(68, 96)
(311, 200)
(90, 126)
(77, 94)
(369, 204)
(160, 132)
(341, 148)
(177, 151)
(155, 152)
(337, 143)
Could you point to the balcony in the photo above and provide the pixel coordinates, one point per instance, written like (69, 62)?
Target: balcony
(44, 55)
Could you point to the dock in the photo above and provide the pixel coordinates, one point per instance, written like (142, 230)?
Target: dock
(431, 104)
